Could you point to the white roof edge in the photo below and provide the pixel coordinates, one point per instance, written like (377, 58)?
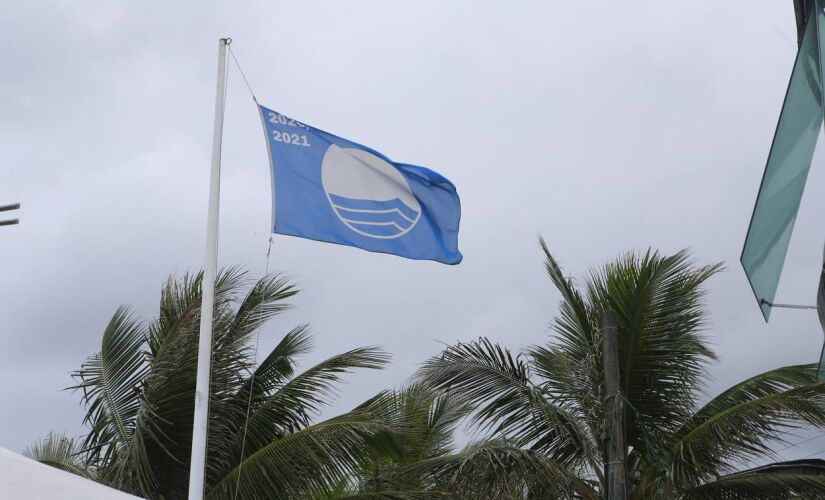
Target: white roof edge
(21, 477)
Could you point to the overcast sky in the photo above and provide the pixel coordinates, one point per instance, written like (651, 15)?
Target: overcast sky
(602, 126)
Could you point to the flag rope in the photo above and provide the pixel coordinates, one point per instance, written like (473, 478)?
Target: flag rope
(252, 377)
(240, 69)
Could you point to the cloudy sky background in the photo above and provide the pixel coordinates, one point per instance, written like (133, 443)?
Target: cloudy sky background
(601, 127)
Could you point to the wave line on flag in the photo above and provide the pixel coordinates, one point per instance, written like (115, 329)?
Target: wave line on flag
(366, 211)
(359, 205)
(383, 231)
(392, 217)
(395, 210)
(394, 213)
(372, 215)
(366, 223)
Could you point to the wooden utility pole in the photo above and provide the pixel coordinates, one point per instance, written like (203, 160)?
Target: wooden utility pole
(615, 473)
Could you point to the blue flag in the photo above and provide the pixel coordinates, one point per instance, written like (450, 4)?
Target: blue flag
(330, 189)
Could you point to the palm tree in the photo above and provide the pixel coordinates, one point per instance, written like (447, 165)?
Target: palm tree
(547, 401)
(139, 395)
(423, 423)
(424, 462)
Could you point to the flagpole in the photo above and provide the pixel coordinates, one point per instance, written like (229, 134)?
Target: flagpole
(197, 465)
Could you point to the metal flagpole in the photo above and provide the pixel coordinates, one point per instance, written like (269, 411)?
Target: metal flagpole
(197, 465)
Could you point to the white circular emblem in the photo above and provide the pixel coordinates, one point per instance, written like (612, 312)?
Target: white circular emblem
(368, 194)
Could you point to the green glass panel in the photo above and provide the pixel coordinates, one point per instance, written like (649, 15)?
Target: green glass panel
(785, 173)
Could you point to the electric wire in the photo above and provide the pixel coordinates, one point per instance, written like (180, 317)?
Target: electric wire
(801, 442)
(811, 455)
(793, 45)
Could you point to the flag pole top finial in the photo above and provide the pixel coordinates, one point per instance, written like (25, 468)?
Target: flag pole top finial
(227, 40)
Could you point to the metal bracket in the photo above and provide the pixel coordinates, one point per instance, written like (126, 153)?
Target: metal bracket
(6, 208)
(786, 306)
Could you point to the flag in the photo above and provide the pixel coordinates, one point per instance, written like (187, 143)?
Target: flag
(327, 188)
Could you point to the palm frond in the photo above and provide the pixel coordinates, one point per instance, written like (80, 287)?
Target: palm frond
(663, 354)
(294, 404)
(573, 384)
(180, 302)
(659, 303)
(741, 423)
(140, 402)
(498, 469)
(762, 486)
(346, 491)
(277, 367)
(264, 300)
(575, 324)
(165, 418)
(390, 495)
(498, 385)
(304, 463)
(271, 374)
(62, 453)
(111, 381)
(422, 419)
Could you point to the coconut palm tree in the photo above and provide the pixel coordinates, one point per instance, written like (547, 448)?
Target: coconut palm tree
(547, 401)
(138, 392)
(420, 424)
(424, 462)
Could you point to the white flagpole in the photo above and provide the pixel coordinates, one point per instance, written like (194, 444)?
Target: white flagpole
(197, 466)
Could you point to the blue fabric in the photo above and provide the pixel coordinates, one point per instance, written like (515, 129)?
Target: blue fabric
(330, 189)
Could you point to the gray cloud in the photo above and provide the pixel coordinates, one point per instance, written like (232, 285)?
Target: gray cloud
(602, 127)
